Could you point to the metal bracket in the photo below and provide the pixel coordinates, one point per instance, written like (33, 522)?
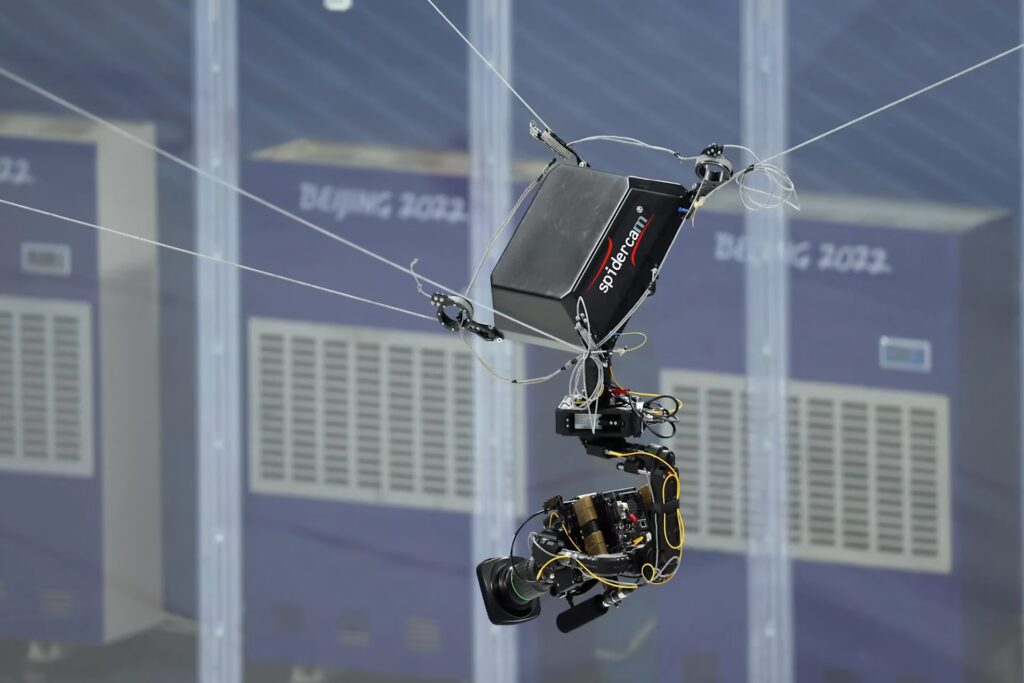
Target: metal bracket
(557, 145)
(463, 318)
(712, 166)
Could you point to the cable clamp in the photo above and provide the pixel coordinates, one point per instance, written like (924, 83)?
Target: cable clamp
(463, 317)
(557, 145)
(666, 507)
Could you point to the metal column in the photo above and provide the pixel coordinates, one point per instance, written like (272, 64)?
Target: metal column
(769, 594)
(1020, 338)
(496, 439)
(218, 350)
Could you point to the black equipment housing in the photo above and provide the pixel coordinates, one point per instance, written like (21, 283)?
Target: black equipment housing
(586, 234)
(600, 422)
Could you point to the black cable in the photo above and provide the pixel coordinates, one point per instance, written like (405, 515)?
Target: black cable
(650, 428)
(669, 412)
(512, 548)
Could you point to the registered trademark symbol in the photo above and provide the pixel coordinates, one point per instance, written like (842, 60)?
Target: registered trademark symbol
(639, 209)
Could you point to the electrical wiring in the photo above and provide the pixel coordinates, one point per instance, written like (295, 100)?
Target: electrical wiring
(554, 516)
(679, 514)
(783, 190)
(590, 572)
(633, 141)
(656, 573)
(674, 474)
(568, 537)
(512, 547)
(630, 349)
(540, 572)
(658, 577)
(566, 532)
(776, 177)
(650, 416)
(612, 584)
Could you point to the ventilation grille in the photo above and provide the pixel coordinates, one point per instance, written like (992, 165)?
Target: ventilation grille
(868, 470)
(360, 414)
(45, 387)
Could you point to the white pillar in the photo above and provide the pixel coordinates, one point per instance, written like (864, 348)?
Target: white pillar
(218, 350)
(769, 593)
(496, 436)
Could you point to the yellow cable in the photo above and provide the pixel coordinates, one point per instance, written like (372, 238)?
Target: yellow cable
(656, 457)
(540, 572)
(566, 531)
(545, 565)
(674, 474)
(652, 580)
(604, 581)
(664, 517)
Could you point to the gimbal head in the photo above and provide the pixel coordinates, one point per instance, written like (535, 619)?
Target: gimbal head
(619, 540)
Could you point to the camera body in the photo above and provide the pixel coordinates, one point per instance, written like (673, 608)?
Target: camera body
(610, 533)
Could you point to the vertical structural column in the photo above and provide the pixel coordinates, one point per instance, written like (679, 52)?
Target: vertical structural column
(218, 350)
(496, 438)
(1020, 352)
(769, 594)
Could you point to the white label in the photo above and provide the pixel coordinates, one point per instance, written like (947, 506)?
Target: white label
(909, 355)
(38, 258)
(15, 171)
(340, 203)
(842, 259)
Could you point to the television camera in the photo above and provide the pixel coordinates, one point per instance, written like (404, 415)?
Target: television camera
(584, 256)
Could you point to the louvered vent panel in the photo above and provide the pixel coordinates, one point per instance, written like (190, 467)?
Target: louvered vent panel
(45, 387)
(795, 469)
(360, 414)
(868, 470)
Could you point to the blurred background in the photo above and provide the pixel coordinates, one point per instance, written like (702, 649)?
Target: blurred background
(208, 475)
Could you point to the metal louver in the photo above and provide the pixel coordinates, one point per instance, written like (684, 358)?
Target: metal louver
(360, 414)
(45, 387)
(868, 470)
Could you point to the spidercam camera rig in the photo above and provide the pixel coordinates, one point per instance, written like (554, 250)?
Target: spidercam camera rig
(584, 256)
